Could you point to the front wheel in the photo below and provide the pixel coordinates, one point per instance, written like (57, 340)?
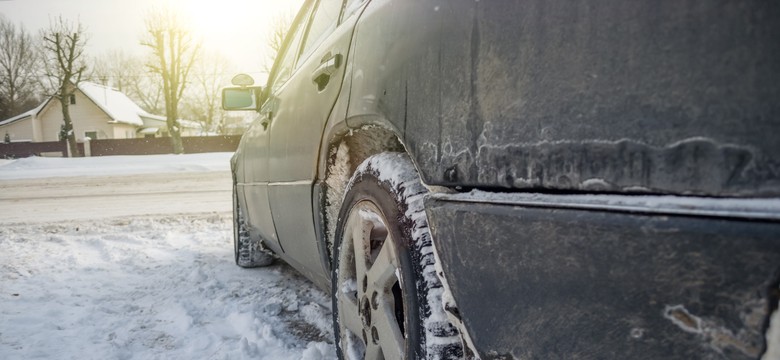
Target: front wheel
(386, 295)
(248, 252)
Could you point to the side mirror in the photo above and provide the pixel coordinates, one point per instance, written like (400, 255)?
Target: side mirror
(241, 98)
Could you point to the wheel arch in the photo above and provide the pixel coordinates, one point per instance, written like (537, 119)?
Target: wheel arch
(342, 153)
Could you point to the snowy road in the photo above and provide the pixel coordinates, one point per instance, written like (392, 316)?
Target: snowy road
(91, 197)
(115, 264)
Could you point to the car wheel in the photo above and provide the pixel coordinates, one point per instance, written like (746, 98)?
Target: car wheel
(386, 295)
(248, 252)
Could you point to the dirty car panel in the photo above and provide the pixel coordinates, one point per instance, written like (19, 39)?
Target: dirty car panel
(671, 97)
(571, 280)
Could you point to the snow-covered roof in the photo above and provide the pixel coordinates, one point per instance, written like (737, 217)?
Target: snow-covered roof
(190, 124)
(152, 117)
(154, 120)
(114, 103)
(24, 115)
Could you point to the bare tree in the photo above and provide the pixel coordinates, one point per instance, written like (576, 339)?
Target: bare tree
(128, 74)
(115, 69)
(210, 74)
(148, 92)
(174, 51)
(18, 63)
(280, 25)
(63, 50)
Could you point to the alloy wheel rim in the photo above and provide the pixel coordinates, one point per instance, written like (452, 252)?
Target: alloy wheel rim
(371, 314)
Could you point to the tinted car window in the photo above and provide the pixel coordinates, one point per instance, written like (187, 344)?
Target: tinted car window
(326, 18)
(287, 62)
(351, 7)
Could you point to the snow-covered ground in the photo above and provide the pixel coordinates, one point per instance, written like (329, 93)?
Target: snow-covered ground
(103, 258)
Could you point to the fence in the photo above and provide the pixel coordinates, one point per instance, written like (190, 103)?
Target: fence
(143, 146)
(26, 149)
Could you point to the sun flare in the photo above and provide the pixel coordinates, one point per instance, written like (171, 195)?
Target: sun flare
(225, 17)
(233, 24)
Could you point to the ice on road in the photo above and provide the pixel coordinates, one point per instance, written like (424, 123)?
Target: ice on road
(153, 281)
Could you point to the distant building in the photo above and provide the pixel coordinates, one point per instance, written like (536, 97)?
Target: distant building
(97, 112)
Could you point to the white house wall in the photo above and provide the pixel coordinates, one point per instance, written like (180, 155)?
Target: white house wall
(18, 130)
(36, 128)
(185, 131)
(124, 131)
(86, 117)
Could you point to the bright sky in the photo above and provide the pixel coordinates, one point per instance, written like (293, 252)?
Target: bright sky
(235, 28)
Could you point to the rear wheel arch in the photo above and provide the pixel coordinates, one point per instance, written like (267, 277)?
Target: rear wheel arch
(345, 151)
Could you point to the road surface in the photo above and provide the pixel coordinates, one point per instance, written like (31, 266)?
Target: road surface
(96, 197)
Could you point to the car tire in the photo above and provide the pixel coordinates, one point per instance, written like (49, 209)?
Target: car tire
(390, 306)
(249, 252)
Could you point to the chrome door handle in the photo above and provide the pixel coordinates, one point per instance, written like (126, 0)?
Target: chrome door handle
(328, 66)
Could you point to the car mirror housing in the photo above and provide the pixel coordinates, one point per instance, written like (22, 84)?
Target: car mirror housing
(241, 98)
(242, 80)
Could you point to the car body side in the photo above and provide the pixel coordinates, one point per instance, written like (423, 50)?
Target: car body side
(627, 102)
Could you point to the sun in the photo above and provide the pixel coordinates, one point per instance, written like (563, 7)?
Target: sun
(218, 17)
(229, 26)
(231, 17)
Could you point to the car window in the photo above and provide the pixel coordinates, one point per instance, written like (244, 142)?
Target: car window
(286, 62)
(326, 17)
(351, 7)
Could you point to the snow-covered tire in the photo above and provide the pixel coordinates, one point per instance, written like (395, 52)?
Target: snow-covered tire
(390, 307)
(249, 252)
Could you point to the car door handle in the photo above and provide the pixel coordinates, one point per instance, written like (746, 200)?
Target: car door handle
(267, 120)
(328, 66)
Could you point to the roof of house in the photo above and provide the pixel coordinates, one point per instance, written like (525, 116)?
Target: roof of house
(155, 120)
(24, 115)
(113, 102)
(120, 108)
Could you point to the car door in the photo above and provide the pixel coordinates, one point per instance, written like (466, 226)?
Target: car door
(304, 108)
(257, 141)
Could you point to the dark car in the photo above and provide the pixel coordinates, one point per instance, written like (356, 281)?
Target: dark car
(528, 179)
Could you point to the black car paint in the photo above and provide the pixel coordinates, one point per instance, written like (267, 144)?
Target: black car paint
(601, 97)
(569, 282)
(636, 96)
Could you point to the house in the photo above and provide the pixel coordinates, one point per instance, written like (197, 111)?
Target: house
(97, 112)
